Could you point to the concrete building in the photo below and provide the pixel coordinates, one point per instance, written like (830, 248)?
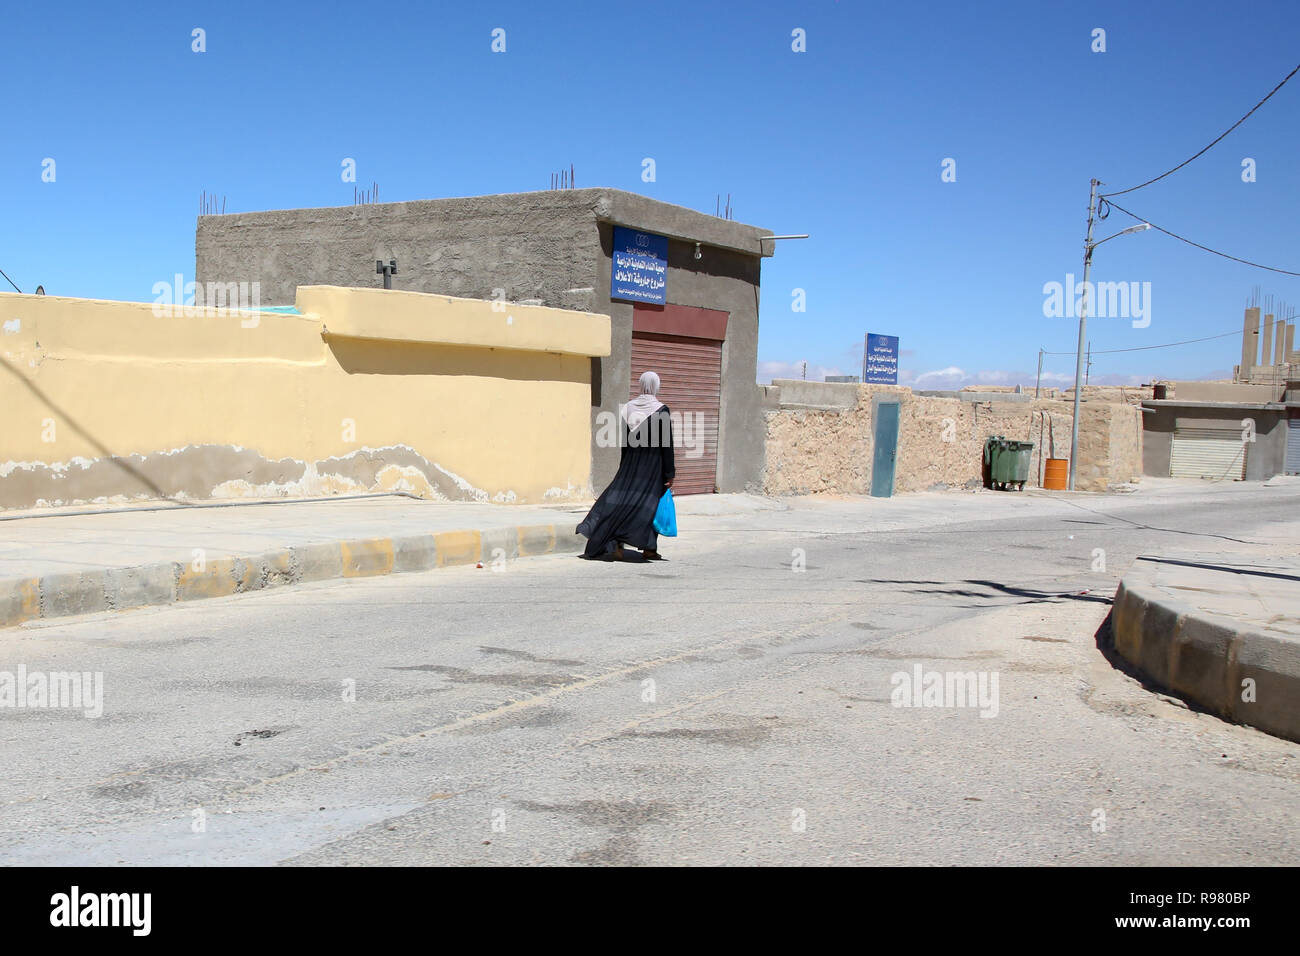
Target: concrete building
(1213, 440)
(1222, 430)
(1246, 429)
(683, 296)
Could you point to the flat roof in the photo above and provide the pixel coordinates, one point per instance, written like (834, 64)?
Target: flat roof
(1264, 406)
(616, 206)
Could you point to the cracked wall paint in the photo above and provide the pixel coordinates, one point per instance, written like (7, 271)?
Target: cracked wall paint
(198, 472)
(137, 406)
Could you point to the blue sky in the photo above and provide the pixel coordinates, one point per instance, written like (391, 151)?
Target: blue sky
(844, 141)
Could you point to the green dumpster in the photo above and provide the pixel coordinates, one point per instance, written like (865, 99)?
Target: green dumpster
(1007, 461)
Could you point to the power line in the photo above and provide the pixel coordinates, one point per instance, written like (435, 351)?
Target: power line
(1175, 235)
(11, 282)
(1144, 348)
(1208, 148)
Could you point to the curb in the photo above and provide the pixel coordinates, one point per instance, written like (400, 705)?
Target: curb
(121, 589)
(1207, 658)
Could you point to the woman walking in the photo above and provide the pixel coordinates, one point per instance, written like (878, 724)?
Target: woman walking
(625, 511)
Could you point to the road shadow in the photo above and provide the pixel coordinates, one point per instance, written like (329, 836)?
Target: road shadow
(1030, 595)
(1229, 569)
(1141, 526)
(105, 453)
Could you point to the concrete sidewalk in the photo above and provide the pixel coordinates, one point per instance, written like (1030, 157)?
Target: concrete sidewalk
(52, 542)
(45, 542)
(1221, 630)
(59, 563)
(62, 562)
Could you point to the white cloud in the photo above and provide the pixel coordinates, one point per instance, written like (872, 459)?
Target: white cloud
(951, 378)
(816, 373)
(940, 378)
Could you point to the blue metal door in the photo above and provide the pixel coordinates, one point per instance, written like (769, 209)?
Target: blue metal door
(885, 450)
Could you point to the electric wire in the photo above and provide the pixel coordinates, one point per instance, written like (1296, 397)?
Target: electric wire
(1285, 272)
(11, 282)
(1144, 348)
(1211, 146)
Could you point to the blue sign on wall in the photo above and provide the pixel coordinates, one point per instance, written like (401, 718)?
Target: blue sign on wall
(881, 364)
(640, 268)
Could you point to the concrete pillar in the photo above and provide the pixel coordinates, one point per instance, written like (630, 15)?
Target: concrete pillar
(1290, 343)
(1249, 343)
(1279, 343)
(1266, 342)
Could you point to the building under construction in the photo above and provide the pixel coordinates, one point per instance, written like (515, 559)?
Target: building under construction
(1268, 354)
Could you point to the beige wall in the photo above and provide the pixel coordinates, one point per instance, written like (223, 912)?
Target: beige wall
(941, 442)
(368, 390)
(1125, 394)
(1224, 392)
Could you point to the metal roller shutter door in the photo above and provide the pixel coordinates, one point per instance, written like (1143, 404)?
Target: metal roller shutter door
(1293, 446)
(1208, 453)
(690, 375)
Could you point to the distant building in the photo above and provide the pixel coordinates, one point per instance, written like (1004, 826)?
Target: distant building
(1246, 429)
(1223, 431)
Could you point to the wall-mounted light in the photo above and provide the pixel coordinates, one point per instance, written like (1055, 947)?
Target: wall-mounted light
(698, 254)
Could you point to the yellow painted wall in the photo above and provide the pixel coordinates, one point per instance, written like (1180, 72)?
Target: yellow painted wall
(501, 400)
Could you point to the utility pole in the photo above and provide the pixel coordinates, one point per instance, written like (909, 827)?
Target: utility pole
(1087, 373)
(1083, 330)
(1039, 381)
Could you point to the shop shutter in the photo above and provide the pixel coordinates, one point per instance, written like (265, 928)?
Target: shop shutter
(690, 375)
(1293, 446)
(1208, 453)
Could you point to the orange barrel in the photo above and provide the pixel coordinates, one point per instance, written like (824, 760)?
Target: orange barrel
(1056, 473)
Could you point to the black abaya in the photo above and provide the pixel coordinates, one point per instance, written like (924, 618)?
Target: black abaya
(625, 511)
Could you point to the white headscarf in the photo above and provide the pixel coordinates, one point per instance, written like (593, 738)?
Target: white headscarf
(645, 404)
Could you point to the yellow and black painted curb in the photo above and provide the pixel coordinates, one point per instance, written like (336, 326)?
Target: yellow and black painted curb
(1235, 671)
(121, 589)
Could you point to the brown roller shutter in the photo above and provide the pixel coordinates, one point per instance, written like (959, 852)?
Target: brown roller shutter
(690, 373)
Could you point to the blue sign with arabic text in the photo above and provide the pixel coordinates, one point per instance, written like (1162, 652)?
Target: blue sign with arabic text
(881, 366)
(640, 268)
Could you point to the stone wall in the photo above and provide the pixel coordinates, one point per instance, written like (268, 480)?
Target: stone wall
(1122, 394)
(828, 449)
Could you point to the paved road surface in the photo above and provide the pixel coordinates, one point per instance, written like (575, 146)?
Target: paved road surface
(718, 707)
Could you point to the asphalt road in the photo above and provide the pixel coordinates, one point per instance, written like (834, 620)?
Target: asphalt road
(718, 707)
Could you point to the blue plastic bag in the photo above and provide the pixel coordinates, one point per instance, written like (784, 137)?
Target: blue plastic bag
(666, 515)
